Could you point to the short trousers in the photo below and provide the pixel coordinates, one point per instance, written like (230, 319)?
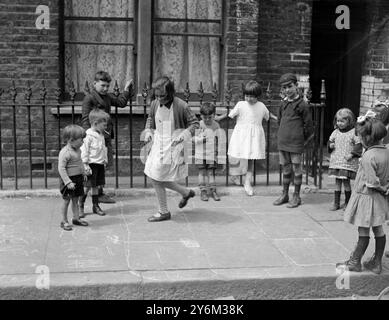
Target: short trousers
(289, 157)
(97, 178)
(78, 191)
(207, 166)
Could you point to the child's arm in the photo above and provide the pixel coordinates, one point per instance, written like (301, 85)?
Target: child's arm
(331, 143)
(307, 120)
(63, 159)
(87, 107)
(122, 99)
(273, 116)
(372, 181)
(221, 117)
(85, 150)
(192, 124)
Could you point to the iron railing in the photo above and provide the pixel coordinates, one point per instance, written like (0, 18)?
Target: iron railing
(14, 101)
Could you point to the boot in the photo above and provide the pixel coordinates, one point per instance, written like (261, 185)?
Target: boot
(96, 208)
(374, 264)
(296, 200)
(214, 194)
(336, 204)
(354, 263)
(204, 195)
(81, 204)
(284, 198)
(347, 195)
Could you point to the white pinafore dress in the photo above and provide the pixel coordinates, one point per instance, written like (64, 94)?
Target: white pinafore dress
(164, 162)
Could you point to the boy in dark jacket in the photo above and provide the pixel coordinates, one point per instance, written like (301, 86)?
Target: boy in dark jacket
(99, 98)
(295, 127)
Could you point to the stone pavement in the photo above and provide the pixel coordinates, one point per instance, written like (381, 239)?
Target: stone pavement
(241, 247)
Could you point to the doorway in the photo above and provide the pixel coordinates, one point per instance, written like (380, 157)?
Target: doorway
(337, 56)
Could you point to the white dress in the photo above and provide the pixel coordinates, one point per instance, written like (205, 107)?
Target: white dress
(164, 162)
(248, 138)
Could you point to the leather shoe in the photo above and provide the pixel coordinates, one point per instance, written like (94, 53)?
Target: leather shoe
(184, 200)
(103, 198)
(161, 217)
(284, 198)
(97, 210)
(80, 222)
(214, 195)
(204, 195)
(296, 201)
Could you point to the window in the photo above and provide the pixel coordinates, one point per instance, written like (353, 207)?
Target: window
(98, 35)
(187, 42)
(179, 38)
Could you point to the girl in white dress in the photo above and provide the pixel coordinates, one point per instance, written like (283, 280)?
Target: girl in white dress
(248, 138)
(170, 123)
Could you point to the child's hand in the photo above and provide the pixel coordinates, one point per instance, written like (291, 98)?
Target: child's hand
(178, 140)
(332, 145)
(88, 170)
(148, 137)
(71, 186)
(348, 157)
(128, 84)
(272, 116)
(85, 178)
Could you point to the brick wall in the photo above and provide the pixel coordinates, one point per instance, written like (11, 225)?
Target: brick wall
(284, 39)
(28, 53)
(375, 79)
(264, 40)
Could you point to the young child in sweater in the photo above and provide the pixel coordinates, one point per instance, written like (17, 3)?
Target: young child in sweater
(71, 171)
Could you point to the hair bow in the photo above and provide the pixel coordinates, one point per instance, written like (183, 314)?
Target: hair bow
(379, 102)
(369, 114)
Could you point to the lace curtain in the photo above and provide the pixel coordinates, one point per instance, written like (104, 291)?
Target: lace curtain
(82, 61)
(187, 59)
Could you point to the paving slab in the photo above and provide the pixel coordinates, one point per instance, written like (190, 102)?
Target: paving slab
(288, 224)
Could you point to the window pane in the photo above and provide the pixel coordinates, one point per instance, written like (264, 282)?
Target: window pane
(99, 31)
(102, 8)
(190, 9)
(188, 59)
(83, 60)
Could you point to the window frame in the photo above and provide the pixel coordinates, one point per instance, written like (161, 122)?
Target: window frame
(65, 96)
(142, 42)
(222, 46)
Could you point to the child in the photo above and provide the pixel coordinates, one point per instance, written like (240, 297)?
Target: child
(100, 98)
(205, 151)
(169, 124)
(381, 108)
(368, 206)
(94, 157)
(248, 138)
(345, 149)
(295, 129)
(71, 170)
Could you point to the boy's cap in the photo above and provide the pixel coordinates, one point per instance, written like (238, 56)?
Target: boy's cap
(287, 78)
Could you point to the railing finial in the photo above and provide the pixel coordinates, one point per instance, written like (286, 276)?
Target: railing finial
(187, 92)
(323, 94)
(28, 91)
(116, 91)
